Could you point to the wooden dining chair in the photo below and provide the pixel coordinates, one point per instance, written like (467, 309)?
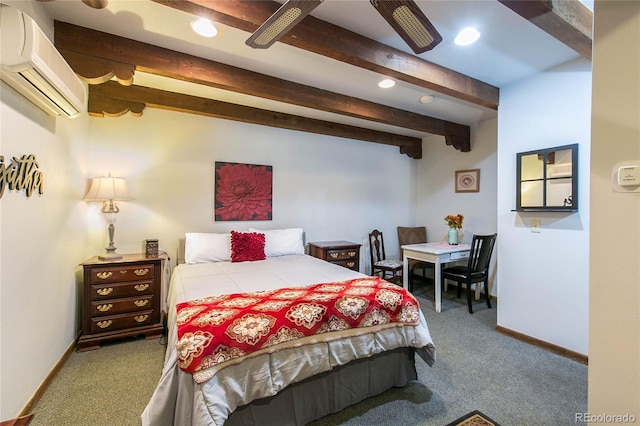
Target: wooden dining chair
(476, 270)
(413, 235)
(390, 270)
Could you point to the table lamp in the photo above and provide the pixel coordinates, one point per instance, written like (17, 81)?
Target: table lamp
(109, 190)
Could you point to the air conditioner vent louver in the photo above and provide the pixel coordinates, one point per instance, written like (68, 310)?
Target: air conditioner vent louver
(31, 65)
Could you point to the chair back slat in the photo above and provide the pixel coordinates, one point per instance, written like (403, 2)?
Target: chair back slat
(480, 253)
(376, 241)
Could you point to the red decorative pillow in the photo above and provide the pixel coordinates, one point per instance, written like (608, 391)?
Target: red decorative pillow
(247, 246)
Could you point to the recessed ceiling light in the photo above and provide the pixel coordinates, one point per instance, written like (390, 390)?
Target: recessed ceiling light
(386, 83)
(467, 36)
(426, 99)
(204, 27)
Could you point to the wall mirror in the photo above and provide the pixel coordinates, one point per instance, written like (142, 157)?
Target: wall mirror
(547, 179)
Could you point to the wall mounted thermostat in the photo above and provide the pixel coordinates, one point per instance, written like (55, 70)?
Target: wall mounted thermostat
(625, 176)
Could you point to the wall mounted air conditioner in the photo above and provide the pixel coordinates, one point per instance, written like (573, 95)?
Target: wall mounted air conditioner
(31, 65)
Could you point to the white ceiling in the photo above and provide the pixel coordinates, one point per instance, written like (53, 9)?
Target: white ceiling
(510, 48)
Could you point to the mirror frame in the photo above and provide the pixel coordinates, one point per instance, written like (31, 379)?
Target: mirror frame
(543, 153)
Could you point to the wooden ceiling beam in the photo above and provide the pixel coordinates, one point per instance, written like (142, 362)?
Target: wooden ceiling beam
(113, 100)
(81, 47)
(569, 21)
(332, 41)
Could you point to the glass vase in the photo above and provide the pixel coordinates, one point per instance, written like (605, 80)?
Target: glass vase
(453, 236)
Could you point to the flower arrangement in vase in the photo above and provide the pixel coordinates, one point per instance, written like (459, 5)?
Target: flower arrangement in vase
(455, 223)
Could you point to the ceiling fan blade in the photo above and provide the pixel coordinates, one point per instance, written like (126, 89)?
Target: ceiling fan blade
(410, 23)
(96, 4)
(278, 24)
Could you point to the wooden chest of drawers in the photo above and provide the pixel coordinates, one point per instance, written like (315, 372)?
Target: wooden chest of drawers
(343, 253)
(121, 298)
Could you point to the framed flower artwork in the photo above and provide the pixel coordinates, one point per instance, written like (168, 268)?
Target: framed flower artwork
(468, 180)
(243, 192)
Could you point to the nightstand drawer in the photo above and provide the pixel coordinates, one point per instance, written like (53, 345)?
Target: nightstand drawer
(121, 273)
(342, 254)
(121, 322)
(351, 264)
(127, 289)
(119, 306)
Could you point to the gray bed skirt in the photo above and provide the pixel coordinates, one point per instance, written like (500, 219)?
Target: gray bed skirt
(330, 392)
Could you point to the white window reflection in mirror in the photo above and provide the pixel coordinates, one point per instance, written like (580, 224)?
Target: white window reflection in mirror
(547, 179)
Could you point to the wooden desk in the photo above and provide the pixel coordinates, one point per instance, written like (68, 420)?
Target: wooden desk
(436, 253)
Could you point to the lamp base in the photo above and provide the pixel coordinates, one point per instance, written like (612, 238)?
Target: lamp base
(110, 255)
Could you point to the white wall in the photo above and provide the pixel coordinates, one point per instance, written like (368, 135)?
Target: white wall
(40, 246)
(40, 242)
(614, 344)
(436, 196)
(333, 188)
(547, 271)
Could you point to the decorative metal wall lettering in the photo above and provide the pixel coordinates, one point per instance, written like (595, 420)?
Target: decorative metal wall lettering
(21, 174)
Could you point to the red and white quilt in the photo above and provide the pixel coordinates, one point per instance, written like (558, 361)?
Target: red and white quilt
(223, 330)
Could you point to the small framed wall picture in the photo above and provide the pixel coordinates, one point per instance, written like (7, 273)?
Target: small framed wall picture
(468, 180)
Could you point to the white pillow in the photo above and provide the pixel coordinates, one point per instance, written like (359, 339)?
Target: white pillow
(207, 247)
(282, 242)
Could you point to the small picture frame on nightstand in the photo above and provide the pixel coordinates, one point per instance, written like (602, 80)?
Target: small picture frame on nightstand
(151, 248)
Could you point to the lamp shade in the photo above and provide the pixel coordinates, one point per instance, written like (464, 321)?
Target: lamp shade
(108, 188)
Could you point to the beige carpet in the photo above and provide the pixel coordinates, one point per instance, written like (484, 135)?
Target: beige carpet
(106, 387)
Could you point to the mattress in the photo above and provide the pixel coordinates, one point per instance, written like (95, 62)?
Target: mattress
(178, 399)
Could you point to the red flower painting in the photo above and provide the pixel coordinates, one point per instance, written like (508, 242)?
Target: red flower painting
(243, 191)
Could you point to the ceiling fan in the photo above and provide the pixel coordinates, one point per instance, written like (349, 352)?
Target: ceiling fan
(96, 4)
(404, 16)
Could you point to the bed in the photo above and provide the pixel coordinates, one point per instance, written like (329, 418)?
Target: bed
(289, 383)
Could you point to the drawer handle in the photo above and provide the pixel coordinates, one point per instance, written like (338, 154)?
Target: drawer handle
(141, 318)
(351, 264)
(104, 308)
(104, 275)
(141, 272)
(334, 255)
(104, 291)
(104, 324)
(352, 254)
(141, 287)
(141, 303)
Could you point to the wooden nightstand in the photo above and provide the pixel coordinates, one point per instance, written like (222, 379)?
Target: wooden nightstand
(343, 253)
(121, 298)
